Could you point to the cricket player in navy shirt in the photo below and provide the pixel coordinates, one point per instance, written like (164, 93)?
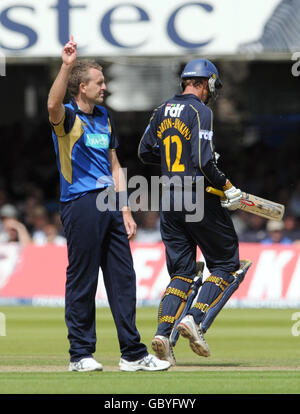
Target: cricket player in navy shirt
(85, 142)
(179, 137)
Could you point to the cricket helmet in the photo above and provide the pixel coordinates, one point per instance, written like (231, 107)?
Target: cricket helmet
(203, 68)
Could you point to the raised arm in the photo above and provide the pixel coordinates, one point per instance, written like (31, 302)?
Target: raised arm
(58, 90)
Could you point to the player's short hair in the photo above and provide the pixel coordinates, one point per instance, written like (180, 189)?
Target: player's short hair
(80, 73)
(192, 81)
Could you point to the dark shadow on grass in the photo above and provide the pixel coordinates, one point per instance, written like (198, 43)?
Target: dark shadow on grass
(212, 365)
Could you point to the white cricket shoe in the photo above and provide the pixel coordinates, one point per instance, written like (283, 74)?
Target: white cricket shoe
(148, 363)
(85, 365)
(190, 330)
(163, 349)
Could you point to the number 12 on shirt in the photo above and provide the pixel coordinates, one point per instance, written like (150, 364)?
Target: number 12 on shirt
(176, 166)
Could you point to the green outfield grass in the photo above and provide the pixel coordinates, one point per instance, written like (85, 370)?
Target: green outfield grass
(253, 352)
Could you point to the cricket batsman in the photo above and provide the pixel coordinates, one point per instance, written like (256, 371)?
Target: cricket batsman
(180, 138)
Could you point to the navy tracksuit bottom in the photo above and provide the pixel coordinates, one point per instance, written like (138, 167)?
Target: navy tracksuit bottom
(216, 237)
(98, 239)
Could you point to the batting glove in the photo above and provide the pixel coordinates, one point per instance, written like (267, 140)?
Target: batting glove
(233, 196)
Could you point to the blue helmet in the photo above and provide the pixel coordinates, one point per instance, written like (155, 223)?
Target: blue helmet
(205, 69)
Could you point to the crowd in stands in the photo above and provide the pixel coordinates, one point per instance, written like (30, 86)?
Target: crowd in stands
(32, 222)
(29, 222)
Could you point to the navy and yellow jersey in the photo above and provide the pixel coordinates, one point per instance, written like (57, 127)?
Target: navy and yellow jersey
(82, 143)
(179, 137)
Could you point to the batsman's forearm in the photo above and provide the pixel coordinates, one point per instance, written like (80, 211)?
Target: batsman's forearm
(213, 174)
(149, 154)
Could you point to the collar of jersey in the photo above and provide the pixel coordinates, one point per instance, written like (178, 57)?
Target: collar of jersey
(97, 109)
(188, 96)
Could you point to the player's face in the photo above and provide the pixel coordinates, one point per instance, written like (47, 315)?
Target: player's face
(95, 87)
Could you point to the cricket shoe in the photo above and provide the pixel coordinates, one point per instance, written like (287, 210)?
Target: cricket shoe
(148, 363)
(85, 365)
(163, 349)
(190, 330)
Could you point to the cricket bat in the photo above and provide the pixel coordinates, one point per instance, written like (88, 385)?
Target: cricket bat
(255, 205)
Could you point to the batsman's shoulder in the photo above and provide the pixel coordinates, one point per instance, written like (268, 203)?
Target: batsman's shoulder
(201, 111)
(206, 110)
(160, 108)
(206, 116)
(156, 113)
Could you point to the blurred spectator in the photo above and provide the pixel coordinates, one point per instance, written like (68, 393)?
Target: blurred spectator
(275, 231)
(56, 220)
(6, 211)
(27, 207)
(255, 231)
(38, 220)
(16, 232)
(51, 236)
(239, 219)
(291, 229)
(12, 230)
(43, 232)
(148, 230)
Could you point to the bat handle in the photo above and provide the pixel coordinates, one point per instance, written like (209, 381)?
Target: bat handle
(215, 191)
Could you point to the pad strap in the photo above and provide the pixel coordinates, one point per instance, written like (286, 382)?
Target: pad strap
(166, 318)
(201, 306)
(176, 292)
(178, 287)
(219, 281)
(168, 308)
(185, 279)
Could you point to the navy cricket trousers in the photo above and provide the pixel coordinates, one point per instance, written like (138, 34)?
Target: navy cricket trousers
(98, 239)
(214, 235)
